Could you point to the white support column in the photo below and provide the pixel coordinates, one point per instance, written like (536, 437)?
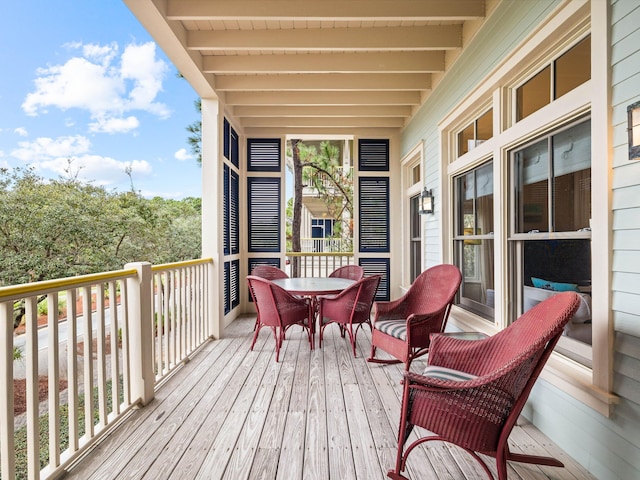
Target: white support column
(212, 218)
(141, 330)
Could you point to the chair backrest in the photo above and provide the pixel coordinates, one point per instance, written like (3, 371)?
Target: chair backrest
(268, 271)
(358, 298)
(275, 306)
(352, 272)
(537, 329)
(434, 289)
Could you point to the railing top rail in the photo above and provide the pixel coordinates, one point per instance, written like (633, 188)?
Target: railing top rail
(12, 292)
(185, 263)
(319, 254)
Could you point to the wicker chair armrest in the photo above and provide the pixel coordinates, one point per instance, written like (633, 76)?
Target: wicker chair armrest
(389, 310)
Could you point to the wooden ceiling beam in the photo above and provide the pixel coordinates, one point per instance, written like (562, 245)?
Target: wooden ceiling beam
(391, 62)
(328, 81)
(322, 111)
(325, 10)
(316, 122)
(443, 37)
(322, 98)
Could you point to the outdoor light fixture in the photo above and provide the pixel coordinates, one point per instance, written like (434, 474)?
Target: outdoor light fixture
(426, 201)
(633, 119)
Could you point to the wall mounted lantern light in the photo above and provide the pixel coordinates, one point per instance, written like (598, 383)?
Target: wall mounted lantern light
(426, 201)
(633, 119)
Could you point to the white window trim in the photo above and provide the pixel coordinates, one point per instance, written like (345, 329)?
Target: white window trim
(413, 158)
(592, 386)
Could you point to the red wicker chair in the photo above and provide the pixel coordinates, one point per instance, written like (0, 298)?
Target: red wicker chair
(352, 272)
(402, 327)
(350, 307)
(269, 272)
(473, 391)
(279, 310)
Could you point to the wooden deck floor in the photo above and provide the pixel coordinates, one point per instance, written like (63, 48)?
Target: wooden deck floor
(235, 414)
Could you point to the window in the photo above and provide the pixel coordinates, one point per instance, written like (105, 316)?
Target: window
(415, 238)
(551, 247)
(473, 239)
(569, 70)
(475, 133)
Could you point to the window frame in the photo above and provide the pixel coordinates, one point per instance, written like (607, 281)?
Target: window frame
(591, 386)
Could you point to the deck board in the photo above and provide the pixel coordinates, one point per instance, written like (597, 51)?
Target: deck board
(236, 414)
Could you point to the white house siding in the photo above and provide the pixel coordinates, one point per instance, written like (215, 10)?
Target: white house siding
(607, 447)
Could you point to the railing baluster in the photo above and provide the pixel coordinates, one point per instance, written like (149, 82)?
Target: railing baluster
(126, 351)
(53, 347)
(87, 342)
(115, 351)
(31, 378)
(101, 355)
(72, 369)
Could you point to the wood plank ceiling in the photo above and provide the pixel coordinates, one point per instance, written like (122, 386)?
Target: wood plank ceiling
(313, 65)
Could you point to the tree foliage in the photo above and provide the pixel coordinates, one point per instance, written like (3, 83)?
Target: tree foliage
(322, 170)
(62, 228)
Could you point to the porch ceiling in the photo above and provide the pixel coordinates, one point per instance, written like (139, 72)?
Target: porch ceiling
(309, 66)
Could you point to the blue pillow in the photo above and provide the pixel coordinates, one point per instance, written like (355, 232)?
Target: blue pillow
(555, 286)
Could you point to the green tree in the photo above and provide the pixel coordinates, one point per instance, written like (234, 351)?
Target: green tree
(63, 228)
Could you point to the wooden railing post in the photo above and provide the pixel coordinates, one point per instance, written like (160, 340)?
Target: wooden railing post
(140, 296)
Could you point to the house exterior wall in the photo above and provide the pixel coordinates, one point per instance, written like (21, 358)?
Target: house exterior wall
(609, 447)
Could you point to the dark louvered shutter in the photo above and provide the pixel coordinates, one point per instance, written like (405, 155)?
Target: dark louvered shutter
(227, 287)
(373, 155)
(234, 214)
(375, 266)
(263, 154)
(226, 200)
(235, 151)
(226, 137)
(234, 283)
(374, 214)
(264, 214)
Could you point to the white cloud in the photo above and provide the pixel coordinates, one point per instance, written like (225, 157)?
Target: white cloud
(182, 155)
(95, 82)
(21, 131)
(114, 125)
(54, 155)
(45, 148)
(97, 169)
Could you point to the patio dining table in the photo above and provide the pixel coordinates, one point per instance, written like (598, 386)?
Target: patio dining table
(312, 287)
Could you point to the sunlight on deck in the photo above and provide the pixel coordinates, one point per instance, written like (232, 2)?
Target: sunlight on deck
(235, 414)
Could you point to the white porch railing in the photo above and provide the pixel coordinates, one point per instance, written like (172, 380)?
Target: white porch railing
(103, 345)
(316, 264)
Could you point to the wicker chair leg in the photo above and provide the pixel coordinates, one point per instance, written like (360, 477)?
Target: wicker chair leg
(255, 335)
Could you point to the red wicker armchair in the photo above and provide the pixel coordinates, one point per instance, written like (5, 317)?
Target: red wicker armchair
(350, 307)
(473, 391)
(279, 310)
(352, 272)
(402, 327)
(269, 272)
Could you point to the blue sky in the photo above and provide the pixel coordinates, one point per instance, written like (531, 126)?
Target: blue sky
(83, 80)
